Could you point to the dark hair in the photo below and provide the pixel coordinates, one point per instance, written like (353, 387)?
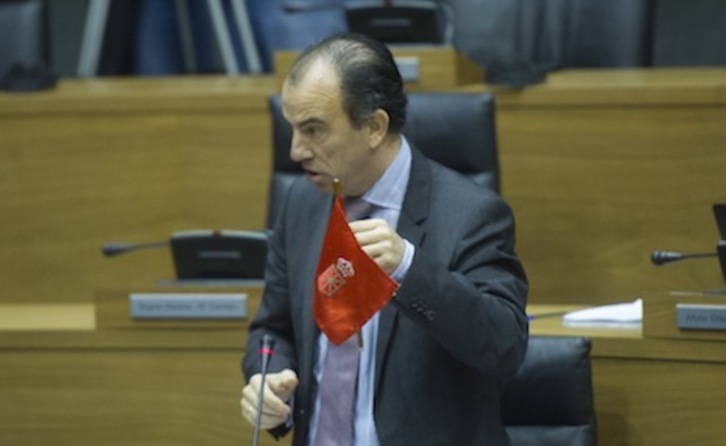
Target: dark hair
(369, 77)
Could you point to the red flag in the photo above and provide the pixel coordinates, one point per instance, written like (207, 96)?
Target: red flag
(350, 287)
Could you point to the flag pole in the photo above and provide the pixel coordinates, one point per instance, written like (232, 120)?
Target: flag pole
(337, 190)
(337, 187)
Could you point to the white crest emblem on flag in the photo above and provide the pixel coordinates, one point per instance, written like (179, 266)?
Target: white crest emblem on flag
(335, 276)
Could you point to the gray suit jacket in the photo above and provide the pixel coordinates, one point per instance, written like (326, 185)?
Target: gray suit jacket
(454, 328)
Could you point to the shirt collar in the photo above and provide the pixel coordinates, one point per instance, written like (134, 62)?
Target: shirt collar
(390, 189)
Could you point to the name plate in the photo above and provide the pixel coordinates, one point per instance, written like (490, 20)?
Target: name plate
(408, 67)
(701, 317)
(188, 305)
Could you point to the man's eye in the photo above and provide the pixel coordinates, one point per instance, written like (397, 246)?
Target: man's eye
(312, 131)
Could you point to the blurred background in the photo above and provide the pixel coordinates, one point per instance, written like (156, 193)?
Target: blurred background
(142, 37)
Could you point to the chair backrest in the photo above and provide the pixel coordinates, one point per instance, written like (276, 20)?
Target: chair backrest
(24, 45)
(583, 33)
(618, 33)
(520, 41)
(454, 129)
(549, 402)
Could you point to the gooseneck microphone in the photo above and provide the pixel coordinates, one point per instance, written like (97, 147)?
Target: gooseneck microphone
(267, 345)
(115, 248)
(663, 257)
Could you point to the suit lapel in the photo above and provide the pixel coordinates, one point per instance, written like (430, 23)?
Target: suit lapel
(413, 212)
(313, 240)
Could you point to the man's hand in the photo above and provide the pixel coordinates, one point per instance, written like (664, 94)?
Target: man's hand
(380, 242)
(279, 388)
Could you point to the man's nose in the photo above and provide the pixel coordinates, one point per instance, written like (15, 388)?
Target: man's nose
(298, 149)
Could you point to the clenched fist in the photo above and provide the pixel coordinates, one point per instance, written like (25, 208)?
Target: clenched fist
(279, 388)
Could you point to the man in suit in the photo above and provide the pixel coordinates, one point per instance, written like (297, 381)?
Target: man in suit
(433, 357)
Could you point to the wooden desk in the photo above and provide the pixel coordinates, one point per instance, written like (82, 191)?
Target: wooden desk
(652, 391)
(66, 381)
(601, 167)
(71, 382)
(660, 317)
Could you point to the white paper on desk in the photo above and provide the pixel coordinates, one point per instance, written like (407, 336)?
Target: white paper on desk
(625, 315)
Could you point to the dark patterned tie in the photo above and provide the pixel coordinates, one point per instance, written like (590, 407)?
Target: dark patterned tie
(340, 375)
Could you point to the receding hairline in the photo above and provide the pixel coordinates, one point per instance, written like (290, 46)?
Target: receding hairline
(364, 73)
(335, 53)
(310, 71)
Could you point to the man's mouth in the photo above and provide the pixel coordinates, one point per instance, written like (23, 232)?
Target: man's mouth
(312, 174)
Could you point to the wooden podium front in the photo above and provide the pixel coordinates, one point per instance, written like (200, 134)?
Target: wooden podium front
(74, 374)
(87, 374)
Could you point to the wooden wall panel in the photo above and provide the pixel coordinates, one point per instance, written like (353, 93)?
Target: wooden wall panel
(598, 183)
(596, 191)
(123, 160)
(601, 168)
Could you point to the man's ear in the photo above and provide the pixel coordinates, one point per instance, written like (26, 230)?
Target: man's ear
(377, 127)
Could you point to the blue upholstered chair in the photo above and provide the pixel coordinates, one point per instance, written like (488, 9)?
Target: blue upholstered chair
(549, 402)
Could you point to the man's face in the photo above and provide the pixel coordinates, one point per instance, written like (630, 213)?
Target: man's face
(324, 142)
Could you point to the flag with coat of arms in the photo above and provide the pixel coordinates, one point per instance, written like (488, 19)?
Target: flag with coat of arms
(350, 287)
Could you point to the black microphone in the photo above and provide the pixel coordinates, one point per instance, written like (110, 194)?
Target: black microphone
(267, 345)
(663, 257)
(115, 248)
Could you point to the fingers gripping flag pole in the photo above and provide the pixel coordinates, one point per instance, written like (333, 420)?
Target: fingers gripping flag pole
(350, 287)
